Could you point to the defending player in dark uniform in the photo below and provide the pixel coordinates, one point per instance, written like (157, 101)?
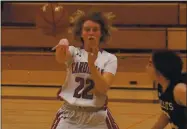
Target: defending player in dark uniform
(165, 67)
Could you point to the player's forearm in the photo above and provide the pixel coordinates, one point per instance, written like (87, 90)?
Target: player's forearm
(61, 57)
(162, 122)
(101, 85)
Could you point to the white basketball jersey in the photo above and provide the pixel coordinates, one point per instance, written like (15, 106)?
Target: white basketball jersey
(78, 83)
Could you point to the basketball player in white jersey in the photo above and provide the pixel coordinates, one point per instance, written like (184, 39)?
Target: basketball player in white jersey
(90, 72)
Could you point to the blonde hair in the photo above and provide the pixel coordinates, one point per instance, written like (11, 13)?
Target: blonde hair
(103, 19)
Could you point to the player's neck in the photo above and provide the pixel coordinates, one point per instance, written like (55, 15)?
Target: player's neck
(87, 48)
(164, 83)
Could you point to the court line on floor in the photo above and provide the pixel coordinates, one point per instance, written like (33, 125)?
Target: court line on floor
(141, 121)
(54, 98)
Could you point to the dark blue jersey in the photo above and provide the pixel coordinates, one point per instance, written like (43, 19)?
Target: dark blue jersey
(177, 114)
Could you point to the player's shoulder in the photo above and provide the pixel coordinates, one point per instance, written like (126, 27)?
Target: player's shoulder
(73, 47)
(179, 92)
(180, 87)
(74, 50)
(110, 56)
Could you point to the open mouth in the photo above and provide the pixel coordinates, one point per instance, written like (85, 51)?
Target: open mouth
(91, 38)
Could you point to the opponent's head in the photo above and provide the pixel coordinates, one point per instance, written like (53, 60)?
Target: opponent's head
(165, 64)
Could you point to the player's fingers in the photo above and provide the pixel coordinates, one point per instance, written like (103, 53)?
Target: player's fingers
(94, 50)
(58, 46)
(62, 43)
(66, 49)
(63, 49)
(55, 47)
(90, 54)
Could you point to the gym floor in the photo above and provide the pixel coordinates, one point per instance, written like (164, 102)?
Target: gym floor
(35, 108)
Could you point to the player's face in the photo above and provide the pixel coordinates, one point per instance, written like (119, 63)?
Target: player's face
(91, 31)
(151, 70)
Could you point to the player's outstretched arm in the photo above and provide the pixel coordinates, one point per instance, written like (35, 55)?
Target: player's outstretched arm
(62, 53)
(162, 122)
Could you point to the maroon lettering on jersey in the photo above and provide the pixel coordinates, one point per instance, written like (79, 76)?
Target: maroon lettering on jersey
(81, 65)
(73, 67)
(76, 67)
(86, 89)
(85, 67)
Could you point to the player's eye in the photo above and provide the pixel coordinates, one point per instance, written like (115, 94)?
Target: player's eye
(95, 29)
(87, 29)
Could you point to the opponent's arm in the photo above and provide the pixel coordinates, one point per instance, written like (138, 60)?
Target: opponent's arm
(161, 122)
(180, 94)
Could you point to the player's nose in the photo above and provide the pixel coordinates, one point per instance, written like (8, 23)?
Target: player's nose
(91, 32)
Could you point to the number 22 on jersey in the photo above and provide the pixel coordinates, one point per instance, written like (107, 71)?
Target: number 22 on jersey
(86, 90)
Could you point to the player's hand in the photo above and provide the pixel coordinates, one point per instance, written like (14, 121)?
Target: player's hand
(62, 50)
(62, 45)
(91, 58)
(93, 51)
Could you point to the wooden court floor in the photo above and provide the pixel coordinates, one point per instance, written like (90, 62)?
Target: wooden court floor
(35, 108)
